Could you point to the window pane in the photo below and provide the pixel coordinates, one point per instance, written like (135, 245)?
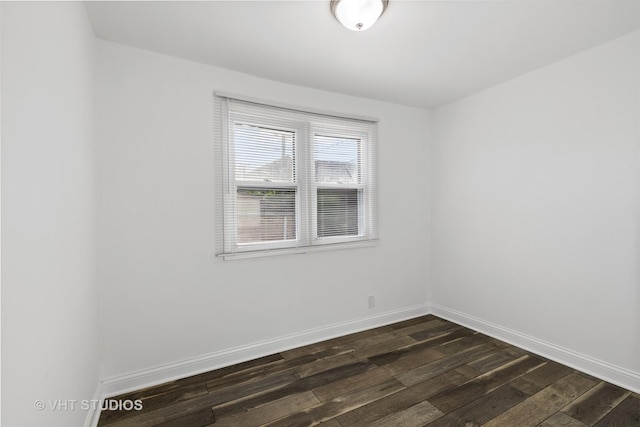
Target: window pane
(336, 159)
(337, 212)
(266, 215)
(264, 154)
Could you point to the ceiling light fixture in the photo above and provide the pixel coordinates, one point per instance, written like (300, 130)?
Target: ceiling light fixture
(358, 15)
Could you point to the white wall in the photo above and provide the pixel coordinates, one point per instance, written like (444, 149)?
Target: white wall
(535, 206)
(165, 297)
(49, 281)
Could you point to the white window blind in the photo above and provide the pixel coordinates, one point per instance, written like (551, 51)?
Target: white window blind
(292, 180)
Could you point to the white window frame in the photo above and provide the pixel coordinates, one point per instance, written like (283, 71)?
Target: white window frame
(361, 186)
(231, 244)
(305, 125)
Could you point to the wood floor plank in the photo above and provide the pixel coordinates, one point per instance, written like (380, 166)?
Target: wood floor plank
(463, 343)
(626, 414)
(195, 419)
(260, 385)
(258, 372)
(587, 376)
(502, 343)
(248, 375)
(391, 356)
(384, 347)
(428, 333)
(325, 364)
(331, 423)
(271, 411)
(188, 407)
(444, 364)
(414, 321)
(302, 385)
(159, 390)
(493, 360)
(353, 383)
(417, 327)
(315, 348)
(339, 344)
(372, 340)
(560, 419)
(258, 364)
(545, 403)
(155, 401)
(483, 409)
(414, 416)
(485, 383)
(381, 408)
(203, 378)
(260, 361)
(337, 406)
(535, 381)
(416, 358)
(596, 403)
(333, 351)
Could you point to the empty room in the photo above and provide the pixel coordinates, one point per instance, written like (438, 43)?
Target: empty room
(292, 213)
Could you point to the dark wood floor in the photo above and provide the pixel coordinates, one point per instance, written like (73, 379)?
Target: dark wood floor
(420, 372)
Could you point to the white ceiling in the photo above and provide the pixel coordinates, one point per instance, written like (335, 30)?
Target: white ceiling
(420, 53)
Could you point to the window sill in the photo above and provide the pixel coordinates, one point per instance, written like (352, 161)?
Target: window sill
(298, 250)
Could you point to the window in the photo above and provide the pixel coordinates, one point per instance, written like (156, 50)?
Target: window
(290, 180)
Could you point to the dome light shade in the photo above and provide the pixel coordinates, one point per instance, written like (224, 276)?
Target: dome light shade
(358, 15)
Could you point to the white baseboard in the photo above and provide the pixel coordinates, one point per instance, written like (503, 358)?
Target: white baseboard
(93, 415)
(603, 370)
(161, 374)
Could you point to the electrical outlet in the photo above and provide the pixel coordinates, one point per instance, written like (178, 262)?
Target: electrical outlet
(372, 301)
